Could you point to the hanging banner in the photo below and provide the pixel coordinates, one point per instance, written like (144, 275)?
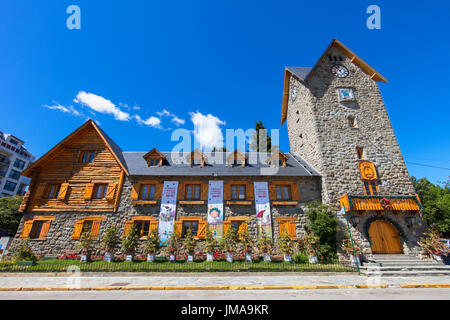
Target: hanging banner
(215, 208)
(167, 211)
(262, 204)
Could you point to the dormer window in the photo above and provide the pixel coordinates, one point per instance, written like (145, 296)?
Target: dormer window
(237, 158)
(196, 158)
(154, 158)
(277, 158)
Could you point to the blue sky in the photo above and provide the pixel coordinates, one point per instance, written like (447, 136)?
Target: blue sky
(219, 63)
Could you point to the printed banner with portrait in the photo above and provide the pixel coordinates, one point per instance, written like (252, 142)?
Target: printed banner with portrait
(215, 208)
(168, 211)
(262, 204)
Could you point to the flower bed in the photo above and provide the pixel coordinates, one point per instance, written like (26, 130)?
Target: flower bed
(61, 265)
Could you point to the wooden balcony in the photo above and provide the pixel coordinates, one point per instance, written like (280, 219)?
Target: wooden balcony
(364, 203)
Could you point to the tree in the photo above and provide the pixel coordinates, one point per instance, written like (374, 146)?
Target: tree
(153, 242)
(223, 149)
(322, 223)
(436, 204)
(131, 241)
(110, 239)
(259, 138)
(9, 215)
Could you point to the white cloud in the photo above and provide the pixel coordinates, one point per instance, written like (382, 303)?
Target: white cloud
(151, 122)
(175, 119)
(68, 109)
(178, 121)
(207, 130)
(102, 105)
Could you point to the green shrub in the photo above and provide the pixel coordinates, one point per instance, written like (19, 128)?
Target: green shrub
(322, 222)
(189, 242)
(21, 251)
(301, 258)
(131, 241)
(210, 242)
(229, 240)
(153, 242)
(110, 239)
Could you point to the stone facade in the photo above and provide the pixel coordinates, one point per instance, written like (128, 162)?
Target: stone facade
(319, 131)
(59, 239)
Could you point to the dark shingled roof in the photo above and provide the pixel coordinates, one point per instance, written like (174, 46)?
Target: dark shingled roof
(116, 149)
(301, 72)
(216, 165)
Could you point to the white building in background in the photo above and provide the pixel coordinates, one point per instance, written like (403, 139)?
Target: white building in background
(14, 158)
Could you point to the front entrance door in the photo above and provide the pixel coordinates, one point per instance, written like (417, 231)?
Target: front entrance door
(384, 238)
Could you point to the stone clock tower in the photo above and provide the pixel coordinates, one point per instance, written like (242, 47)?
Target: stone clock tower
(338, 123)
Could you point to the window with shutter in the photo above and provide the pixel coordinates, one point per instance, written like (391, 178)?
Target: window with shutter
(111, 191)
(88, 191)
(135, 191)
(287, 225)
(77, 229)
(26, 229)
(63, 191)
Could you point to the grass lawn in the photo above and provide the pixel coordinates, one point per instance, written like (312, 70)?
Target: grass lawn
(54, 265)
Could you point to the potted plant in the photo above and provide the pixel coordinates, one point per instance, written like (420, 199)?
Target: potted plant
(228, 243)
(22, 253)
(85, 246)
(432, 245)
(130, 243)
(152, 245)
(247, 244)
(310, 245)
(286, 245)
(109, 242)
(265, 246)
(352, 250)
(173, 245)
(210, 245)
(189, 245)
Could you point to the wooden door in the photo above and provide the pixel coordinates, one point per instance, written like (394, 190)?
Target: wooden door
(384, 237)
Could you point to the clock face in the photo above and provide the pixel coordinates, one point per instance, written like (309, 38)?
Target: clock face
(294, 93)
(339, 71)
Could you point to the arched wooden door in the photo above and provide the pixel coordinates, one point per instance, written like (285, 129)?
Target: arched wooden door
(384, 238)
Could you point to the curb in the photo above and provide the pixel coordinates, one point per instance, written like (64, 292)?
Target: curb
(161, 288)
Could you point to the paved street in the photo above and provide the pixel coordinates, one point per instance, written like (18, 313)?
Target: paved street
(208, 279)
(329, 294)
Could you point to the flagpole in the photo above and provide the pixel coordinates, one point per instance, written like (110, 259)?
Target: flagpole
(351, 239)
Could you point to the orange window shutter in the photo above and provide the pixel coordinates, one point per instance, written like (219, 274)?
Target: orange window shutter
(127, 228)
(250, 191)
(135, 192)
(95, 229)
(112, 187)
(272, 192)
(295, 192)
(63, 191)
(158, 191)
(282, 227)
(178, 228)
(40, 190)
(242, 226)
(201, 234)
(153, 226)
(204, 195)
(227, 191)
(291, 230)
(77, 229)
(180, 191)
(88, 191)
(45, 229)
(226, 226)
(26, 229)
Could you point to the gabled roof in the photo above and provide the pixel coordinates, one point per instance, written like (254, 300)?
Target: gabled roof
(113, 148)
(302, 73)
(152, 152)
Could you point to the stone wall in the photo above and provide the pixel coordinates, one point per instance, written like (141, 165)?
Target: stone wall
(59, 240)
(319, 131)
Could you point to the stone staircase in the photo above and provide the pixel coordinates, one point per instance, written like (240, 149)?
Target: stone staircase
(403, 265)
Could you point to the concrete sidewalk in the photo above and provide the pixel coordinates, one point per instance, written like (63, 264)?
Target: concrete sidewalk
(211, 281)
